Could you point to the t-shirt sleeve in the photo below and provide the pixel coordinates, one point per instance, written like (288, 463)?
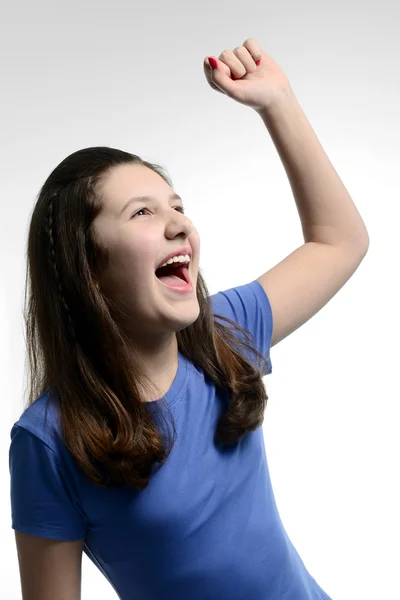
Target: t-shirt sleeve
(248, 305)
(42, 502)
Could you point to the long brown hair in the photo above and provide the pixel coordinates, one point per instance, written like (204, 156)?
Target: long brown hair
(78, 354)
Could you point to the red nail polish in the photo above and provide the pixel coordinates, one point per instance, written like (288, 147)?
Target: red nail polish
(212, 62)
(258, 62)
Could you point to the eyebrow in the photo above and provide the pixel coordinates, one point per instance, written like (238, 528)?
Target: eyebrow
(147, 199)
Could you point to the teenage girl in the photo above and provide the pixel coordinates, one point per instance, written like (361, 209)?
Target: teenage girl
(142, 444)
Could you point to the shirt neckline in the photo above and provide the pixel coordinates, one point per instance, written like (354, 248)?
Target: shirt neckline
(177, 387)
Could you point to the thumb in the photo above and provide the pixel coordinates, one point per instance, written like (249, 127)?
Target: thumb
(220, 75)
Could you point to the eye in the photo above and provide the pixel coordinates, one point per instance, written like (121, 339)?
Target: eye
(137, 212)
(180, 208)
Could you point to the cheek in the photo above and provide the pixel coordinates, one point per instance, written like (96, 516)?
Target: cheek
(194, 240)
(129, 264)
(135, 248)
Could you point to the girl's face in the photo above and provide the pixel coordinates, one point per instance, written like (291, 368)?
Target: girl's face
(139, 237)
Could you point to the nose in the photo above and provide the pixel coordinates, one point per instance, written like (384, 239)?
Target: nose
(179, 223)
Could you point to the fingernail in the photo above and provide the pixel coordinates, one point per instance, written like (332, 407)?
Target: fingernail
(212, 62)
(258, 62)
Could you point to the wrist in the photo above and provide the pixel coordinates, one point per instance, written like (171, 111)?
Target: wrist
(280, 102)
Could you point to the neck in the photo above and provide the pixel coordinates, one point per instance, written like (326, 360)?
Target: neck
(159, 364)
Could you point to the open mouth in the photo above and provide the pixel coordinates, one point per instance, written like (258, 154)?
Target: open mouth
(172, 274)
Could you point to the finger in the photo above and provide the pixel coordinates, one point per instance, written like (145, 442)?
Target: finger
(220, 66)
(236, 67)
(221, 79)
(245, 59)
(252, 46)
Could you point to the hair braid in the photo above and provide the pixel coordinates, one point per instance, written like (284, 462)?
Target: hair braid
(53, 262)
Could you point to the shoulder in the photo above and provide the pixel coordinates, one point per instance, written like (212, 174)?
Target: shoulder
(246, 298)
(39, 419)
(248, 306)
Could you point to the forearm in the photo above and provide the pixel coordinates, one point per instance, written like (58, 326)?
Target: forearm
(327, 212)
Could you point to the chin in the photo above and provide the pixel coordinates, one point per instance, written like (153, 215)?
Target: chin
(188, 315)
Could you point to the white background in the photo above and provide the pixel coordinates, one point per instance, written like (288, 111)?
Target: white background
(130, 76)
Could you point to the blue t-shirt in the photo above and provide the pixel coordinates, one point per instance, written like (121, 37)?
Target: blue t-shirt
(206, 527)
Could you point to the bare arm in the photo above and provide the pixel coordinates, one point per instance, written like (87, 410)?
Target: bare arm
(49, 569)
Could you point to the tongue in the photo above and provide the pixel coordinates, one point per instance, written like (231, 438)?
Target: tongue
(172, 280)
(172, 275)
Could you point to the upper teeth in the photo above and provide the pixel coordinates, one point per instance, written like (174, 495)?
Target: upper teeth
(181, 258)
